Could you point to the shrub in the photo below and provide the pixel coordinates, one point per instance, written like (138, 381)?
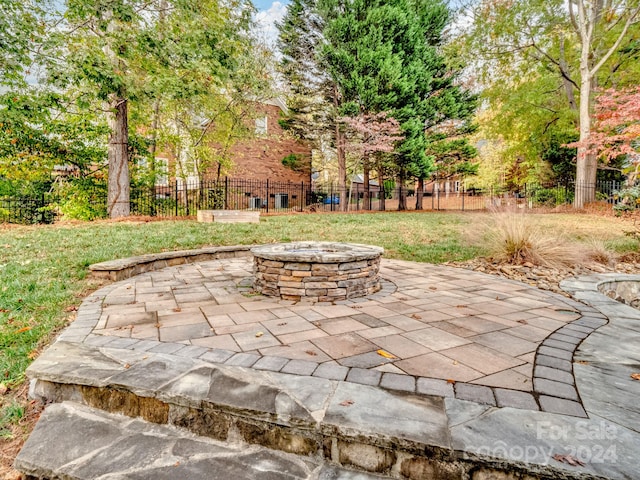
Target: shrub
(627, 199)
(551, 197)
(82, 200)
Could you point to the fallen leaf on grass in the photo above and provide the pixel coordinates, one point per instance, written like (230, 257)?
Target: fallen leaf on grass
(71, 308)
(568, 459)
(635, 376)
(3, 389)
(385, 354)
(259, 334)
(23, 329)
(347, 403)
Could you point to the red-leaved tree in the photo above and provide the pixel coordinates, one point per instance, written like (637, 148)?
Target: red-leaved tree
(616, 129)
(368, 135)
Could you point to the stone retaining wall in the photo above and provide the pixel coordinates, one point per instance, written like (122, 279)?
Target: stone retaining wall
(319, 282)
(124, 268)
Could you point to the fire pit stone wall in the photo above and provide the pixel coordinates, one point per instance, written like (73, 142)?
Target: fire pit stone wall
(316, 271)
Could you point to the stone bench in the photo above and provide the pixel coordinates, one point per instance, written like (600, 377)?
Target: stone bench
(128, 267)
(228, 216)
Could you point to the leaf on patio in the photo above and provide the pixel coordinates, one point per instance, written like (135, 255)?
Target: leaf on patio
(433, 288)
(635, 376)
(385, 354)
(524, 322)
(416, 316)
(347, 403)
(259, 334)
(311, 352)
(568, 459)
(127, 366)
(451, 381)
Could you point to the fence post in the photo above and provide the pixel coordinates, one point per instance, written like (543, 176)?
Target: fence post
(462, 186)
(331, 198)
(267, 195)
(226, 193)
(175, 189)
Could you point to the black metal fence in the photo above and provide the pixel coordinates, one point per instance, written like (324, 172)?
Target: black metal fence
(184, 199)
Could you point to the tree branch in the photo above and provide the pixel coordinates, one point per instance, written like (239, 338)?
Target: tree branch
(617, 43)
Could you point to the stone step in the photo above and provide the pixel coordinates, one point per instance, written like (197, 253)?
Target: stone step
(76, 442)
(352, 425)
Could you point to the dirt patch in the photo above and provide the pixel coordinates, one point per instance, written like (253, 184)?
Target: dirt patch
(17, 432)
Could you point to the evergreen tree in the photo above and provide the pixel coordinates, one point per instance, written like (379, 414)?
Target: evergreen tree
(385, 56)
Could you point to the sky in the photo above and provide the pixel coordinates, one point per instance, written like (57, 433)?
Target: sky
(268, 13)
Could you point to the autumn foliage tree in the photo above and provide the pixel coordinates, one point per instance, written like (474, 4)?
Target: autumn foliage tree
(368, 136)
(616, 129)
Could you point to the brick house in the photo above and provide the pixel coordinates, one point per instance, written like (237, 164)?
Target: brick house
(258, 158)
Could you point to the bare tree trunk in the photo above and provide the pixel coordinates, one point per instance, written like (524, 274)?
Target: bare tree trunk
(402, 194)
(342, 158)
(419, 193)
(586, 164)
(118, 191)
(366, 196)
(382, 194)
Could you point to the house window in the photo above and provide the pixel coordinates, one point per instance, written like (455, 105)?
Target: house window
(162, 172)
(261, 125)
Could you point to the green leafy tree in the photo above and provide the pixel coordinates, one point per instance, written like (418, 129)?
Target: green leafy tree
(582, 43)
(125, 51)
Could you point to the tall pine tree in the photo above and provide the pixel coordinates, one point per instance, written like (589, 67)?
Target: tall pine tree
(380, 56)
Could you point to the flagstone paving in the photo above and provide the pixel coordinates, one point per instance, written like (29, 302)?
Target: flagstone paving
(483, 336)
(447, 371)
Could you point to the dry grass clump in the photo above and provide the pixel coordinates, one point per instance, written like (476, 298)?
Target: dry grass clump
(597, 251)
(513, 237)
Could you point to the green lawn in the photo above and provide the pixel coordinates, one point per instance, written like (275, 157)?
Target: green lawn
(44, 274)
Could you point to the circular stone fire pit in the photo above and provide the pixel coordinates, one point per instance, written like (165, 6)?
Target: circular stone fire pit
(316, 271)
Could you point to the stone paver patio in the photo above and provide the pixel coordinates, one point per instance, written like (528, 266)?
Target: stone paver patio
(431, 329)
(444, 373)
